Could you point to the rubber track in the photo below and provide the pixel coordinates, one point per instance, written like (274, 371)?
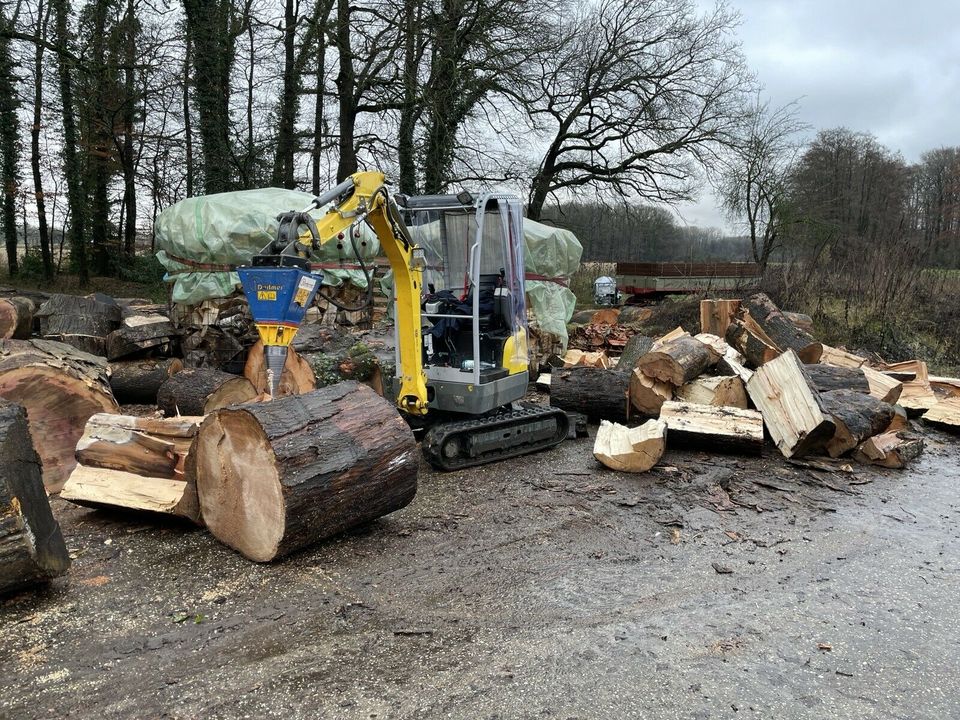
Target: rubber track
(437, 435)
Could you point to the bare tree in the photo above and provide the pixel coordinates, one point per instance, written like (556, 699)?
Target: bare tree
(9, 143)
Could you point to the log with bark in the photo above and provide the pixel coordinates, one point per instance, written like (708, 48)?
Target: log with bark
(783, 333)
(945, 414)
(749, 344)
(61, 387)
(16, 318)
(32, 549)
(801, 320)
(275, 477)
(83, 322)
(634, 315)
(647, 395)
(297, 376)
(141, 340)
(882, 386)
(724, 390)
(792, 409)
(139, 381)
(716, 315)
(725, 429)
(637, 346)
(630, 449)
(598, 393)
(856, 417)
(678, 361)
(200, 391)
(827, 377)
(890, 449)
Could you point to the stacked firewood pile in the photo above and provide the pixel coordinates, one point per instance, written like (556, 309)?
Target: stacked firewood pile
(754, 368)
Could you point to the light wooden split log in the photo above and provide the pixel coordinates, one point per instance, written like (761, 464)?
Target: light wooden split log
(715, 343)
(900, 420)
(31, 544)
(677, 332)
(61, 387)
(632, 450)
(749, 344)
(882, 386)
(647, 395)
(856, 417)
(841, 358)
(945, 413)
(732, 364)
(792, 410)
(155, 447)
(828, 377)
(678, 361)
(16, 318)
(201, 391)
(917, 395)
(944, 387)
(275, 477)
(580, 358)
(724, 390)
(139, 381)
(801, 320)
(115, 489)
(725, 429)
(145, 338)
(783, 333)
(716, 315)
(889, 449)
(297, 376)
(597, 393)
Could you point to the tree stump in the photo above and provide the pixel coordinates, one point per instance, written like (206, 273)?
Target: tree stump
(200, 391)
(275, 477)
(297, 376)
(83, 322)
(31, 544)
(139, 381)
(61, 387)
(16, 318)
(784, 334)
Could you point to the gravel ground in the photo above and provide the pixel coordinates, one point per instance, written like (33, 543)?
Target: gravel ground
(712, 587)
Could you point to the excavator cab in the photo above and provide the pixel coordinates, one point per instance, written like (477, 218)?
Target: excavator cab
(473, 314)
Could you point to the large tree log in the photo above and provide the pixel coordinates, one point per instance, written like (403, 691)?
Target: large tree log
(31, 545)
(83, 322)
(142, 339)
(139, 381)
(648, 395)
(856, 417)
(827, 377)
(889, 449)
(597, 393)
(882, 386)
(678, 361)
(275, 477)
(200, 391)
(722, 390)
(16, 318)
(630, 449)
(784, 334)
(61, 387)
(708, 427)
(297, 376)
(716, 315)
(792, 410)
(749, 344)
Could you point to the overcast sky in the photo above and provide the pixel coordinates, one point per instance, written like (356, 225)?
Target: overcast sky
(889, 67)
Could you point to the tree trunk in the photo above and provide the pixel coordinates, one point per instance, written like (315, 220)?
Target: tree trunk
(187, 128)
(154, 338)
(288, 104)
(9, 146)
(128, 159)
(630, 449)
(801, 320)
(826, 378)
(856, 417)
(32, 549)
(597, 393)
(346, 94)
(678, 361)
(319, 126)
(16, 318)
(83, 322)
(139, 381)
(297, 377)
(278, 476)
(201, 391)
(60, 388)
(410, 112)
(706, 427)
(45, 253)
(783, 333)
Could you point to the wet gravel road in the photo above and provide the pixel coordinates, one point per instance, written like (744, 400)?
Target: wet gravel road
(713, 587)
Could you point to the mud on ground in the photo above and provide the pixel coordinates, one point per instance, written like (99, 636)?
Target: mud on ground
(548, 587)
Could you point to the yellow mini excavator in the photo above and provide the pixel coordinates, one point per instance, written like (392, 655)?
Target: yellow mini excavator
(459, 311)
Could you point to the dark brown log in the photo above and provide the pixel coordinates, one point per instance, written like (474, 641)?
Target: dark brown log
(582, 317)
(636, 347)
(597, 393)
(784, 334)
(200, 391)
(634, 315)
(142, 339)
(678, 361)
(826, 378)
(61, 387)
(83, 322)
(16, 318)
(139, 381)
(212, 347)
(755, 350)
(856, 416)
(275, 477)
(710, 427)
(31, 544)
(297, 376)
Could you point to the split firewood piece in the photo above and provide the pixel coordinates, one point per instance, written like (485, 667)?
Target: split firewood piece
(944, 387)
(297, 376)
(16, 318)
(633, 450)
(841, 358)
(856, 417)
(148, 338)
(275, 477)
(801, 320)
(201, 391)
(597, 393)
(102, 488)
(945, 413)
(917, 395)
(155, 447)
(677, 332)
(60, 387)
(900, 420)
(715, 343)
(637, 346)
(139, 381)
(749, 344)
(792, 410)
(882, 386)
(83, 322)
(724, 390)
(678, 361)
(647, 395)
(783, 333)
(716, 315)
(889, 449)
(581, 358)
(726, 429)
(732, 364)
(543, 382)
(32, 549)
(827, 377)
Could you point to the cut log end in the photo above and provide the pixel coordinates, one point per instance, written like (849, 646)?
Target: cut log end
(633, 450)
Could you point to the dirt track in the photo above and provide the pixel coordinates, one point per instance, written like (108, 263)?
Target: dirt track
(544, 588)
